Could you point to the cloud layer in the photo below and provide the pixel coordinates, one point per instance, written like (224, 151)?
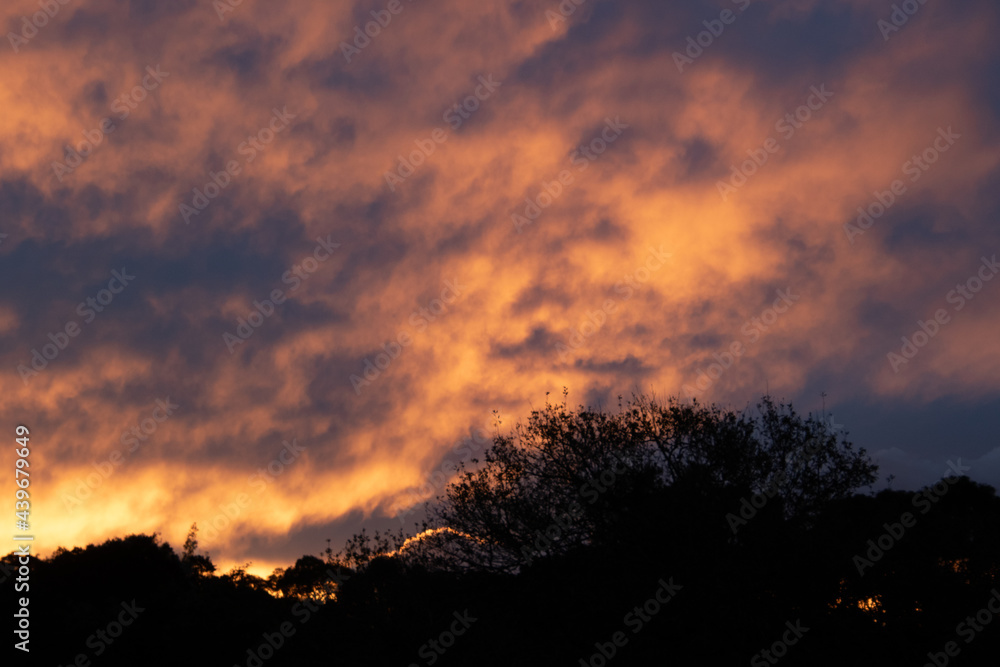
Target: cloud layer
(470, 206)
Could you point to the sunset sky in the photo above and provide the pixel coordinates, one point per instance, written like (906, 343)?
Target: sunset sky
(499, 198)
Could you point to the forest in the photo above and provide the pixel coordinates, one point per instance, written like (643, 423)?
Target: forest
(657, 533)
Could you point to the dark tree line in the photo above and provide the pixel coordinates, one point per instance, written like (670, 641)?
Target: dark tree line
(659, 533)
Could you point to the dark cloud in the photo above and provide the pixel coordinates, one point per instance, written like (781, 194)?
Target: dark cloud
(494, 347)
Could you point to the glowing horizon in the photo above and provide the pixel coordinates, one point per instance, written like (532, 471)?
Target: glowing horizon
(338, 262)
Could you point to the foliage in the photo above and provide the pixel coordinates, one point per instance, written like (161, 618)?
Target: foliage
(579, 473)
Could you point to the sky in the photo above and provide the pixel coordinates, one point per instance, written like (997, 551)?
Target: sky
(274, 267)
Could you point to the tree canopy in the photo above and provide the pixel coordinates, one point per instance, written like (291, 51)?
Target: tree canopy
(569, 479)
(657, 531)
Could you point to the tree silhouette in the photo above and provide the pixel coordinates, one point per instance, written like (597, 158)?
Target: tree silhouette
(573, 479)
(194, 562)
(558, 541)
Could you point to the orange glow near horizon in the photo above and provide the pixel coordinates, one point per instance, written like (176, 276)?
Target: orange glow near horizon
(569, 300)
